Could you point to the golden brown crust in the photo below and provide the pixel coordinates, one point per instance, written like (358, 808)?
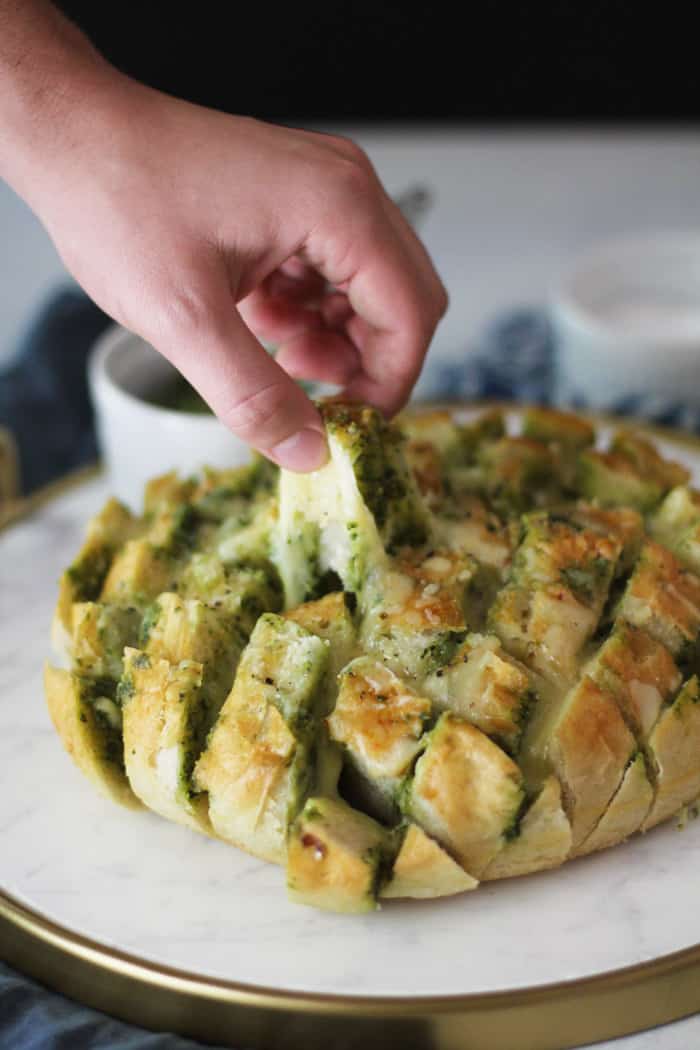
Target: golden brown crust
(546, 629)
(157, 735)
(437, 427)
(564, 548)
(334, 857)
(167, 489)
(466, 792)
(138, 572)
(543, 840)
(663, 598)
(639, 672)
(625, 523)
(487, 687)
(626, 812)
(329, 618)
(590, 748)
(553, 425)
(674, 746)
(378, 718)
(246, 771)
(468, 525)
(257, 757)
(423, 869)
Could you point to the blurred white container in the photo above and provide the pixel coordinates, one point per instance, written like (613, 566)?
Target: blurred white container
(626, 322)
(138, 439)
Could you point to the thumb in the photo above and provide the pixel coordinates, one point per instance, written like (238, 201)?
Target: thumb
(248, 390)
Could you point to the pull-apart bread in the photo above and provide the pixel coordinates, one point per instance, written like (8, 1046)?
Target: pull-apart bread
(450, 655)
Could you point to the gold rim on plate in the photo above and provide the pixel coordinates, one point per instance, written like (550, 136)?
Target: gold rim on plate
(546, 1017)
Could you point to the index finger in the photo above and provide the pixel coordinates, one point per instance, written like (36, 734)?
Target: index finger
(396, 296)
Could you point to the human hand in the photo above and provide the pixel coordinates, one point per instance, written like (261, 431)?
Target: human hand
(204, 233)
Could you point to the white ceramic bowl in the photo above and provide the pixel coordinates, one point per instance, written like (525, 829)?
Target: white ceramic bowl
(627, 326)
(140, 440)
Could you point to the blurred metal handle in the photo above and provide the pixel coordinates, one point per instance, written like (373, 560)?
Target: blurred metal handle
(414, 203)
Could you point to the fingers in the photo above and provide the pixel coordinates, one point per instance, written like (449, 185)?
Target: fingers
(285, 304)
(329, 342)
(386, 298)
(311, 340)
(277, 319)
(367, 250)
(244, 386)
(431, 279)
(326, 356)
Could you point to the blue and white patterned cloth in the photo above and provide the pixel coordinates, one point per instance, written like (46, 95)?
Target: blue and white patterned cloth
(516, 360)
(44, 397)
(513, 360)
(44, 402)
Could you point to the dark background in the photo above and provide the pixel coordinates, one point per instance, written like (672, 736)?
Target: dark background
(487, 62)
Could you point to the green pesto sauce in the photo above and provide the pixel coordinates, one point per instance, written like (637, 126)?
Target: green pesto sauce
(198, 725)
(88, 573)
(110, 737)
(589, 579)
(151, 617)
(512, 831)
(125, 689)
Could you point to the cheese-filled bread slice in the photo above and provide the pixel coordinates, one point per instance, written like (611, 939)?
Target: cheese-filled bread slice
(165, 720)
(258, 762)
(89, 725)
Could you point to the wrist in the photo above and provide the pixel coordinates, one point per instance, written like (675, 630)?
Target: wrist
(53, 83)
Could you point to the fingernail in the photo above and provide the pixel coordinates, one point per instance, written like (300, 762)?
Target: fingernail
(304, 451)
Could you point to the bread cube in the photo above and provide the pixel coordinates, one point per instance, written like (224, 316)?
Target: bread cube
(337, 857)
(489, 688)
(465, 792)
(422, 869)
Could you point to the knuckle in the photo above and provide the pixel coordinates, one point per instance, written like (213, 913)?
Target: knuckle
(258, 415)
(352, 152)
(184, 310)
(353, 181)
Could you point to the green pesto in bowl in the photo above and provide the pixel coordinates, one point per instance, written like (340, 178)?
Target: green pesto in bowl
(178, 395)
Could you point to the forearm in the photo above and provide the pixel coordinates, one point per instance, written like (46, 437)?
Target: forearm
(48, 71)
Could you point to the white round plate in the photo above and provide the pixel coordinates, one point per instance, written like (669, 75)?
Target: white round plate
(136, 883)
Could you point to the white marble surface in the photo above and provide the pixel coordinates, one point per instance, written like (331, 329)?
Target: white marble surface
(165, 894)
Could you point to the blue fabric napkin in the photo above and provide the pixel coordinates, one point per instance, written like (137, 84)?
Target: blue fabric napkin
(31, 1018)
(44, 399)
